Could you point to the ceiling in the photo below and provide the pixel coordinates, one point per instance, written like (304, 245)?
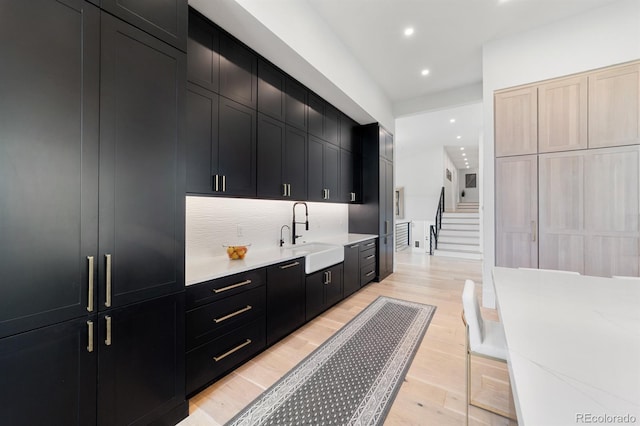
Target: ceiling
(447, 40)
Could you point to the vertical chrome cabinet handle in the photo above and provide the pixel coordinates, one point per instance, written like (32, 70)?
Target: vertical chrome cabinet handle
(89, 336)
(326, 278)
(90, 297)
(107, 340)
(534, 231)
(107, 300)
(329, 276)
(224, 183)
(289, 189)
(215, 183)
(284, 189)
(328, 194)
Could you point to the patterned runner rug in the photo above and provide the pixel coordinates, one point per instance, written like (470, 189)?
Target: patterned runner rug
(353, 377)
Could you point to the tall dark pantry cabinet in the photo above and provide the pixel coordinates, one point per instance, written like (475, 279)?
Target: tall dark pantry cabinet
(91, 212)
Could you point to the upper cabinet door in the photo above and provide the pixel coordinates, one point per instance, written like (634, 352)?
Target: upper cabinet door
(331, 125)
(141, 253)
(271, 91)
(516, 122)
(271, 182)
(316, 115)
(347, 135)
(166, 20)
(202, 139)
(295, 163)
(203, 57)
(296, 104)
(562, 115)
(315, 182)
(238, 66)
(614, 107)
(48, 160)
(237, 149)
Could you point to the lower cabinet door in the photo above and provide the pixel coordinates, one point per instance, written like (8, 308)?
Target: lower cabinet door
(351, 269)
(210, 361)
(333, 290)
(315, 293)
(285, 299)
(48, 376)
(141, 363)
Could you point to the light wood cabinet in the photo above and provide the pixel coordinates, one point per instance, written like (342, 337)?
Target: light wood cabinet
(517, 211)
(561, 211)
(516, 122)
(614, 107)
(562, 115)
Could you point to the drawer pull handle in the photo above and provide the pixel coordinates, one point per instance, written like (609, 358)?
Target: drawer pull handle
(370, 257)
(233, 314)
(90, 301)
(230, 287)
(291, 265)
(107, 301)
(355, 245)
(369, 274)
(370, 245)
(237, 348)
(90, 336)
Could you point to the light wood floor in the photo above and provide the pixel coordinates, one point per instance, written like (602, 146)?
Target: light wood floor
(434, 390)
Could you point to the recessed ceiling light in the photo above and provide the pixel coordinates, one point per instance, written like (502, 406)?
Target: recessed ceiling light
(458, 137)
(408, 31)
(453, 120)
(467, 167)
(462, 148)
(425, 72)
(464, 155)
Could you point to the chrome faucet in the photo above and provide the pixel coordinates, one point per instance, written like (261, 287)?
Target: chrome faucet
(282, 239)
(306, 222)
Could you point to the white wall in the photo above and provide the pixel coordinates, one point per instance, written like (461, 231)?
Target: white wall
(212, 221)
(470, 194)
(450, 186)
(598, 38)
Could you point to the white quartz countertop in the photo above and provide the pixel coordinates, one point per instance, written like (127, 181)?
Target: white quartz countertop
(203, 269)
(573, 345)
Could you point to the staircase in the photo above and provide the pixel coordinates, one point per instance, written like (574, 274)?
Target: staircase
(460, 233)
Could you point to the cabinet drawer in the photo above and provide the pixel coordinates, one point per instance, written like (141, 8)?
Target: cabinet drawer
(367, 256)
(367, 245)
(209, 362)
(367, 273)
(213, 290)
(214, 319)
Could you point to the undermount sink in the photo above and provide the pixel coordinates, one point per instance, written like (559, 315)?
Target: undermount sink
(318, 256)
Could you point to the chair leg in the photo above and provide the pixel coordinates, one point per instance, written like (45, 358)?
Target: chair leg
(468, 374)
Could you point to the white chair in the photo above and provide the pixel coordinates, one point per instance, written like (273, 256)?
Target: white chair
(484, 338)
(551, 270)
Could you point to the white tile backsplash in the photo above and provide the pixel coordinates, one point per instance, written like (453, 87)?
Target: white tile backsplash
(212, 221)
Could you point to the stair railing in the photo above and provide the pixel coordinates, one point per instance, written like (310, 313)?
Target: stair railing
(434, 230)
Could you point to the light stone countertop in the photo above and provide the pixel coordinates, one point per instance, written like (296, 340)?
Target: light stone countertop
(573, 345)
(203, 269)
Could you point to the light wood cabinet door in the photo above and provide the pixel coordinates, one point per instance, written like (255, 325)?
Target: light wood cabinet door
(517, 211)
(612, 209)
(562, 115)
(561, 211)
(614, 107)
(516, 122)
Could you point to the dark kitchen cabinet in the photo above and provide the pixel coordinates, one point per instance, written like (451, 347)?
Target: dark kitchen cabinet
(322, 171)
(323, 289)
(347, 136)
(296, 104)
(351, 265)
(271, 90)
(49, 375)
(236, 150)
(238, 76)
(141, 227)
(281, 158)
(220, 145)
(141, 354)
(350, 177)
(203, 52)
(166, 20)
(323, 119)
(285, 299)
(375, 214)
(49, 128)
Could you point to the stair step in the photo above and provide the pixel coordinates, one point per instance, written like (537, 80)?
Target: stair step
(458, 246)
(461, 226)
(448, 239)
(458, 233)
(458, 254)
(462, 220)
(461, 215)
